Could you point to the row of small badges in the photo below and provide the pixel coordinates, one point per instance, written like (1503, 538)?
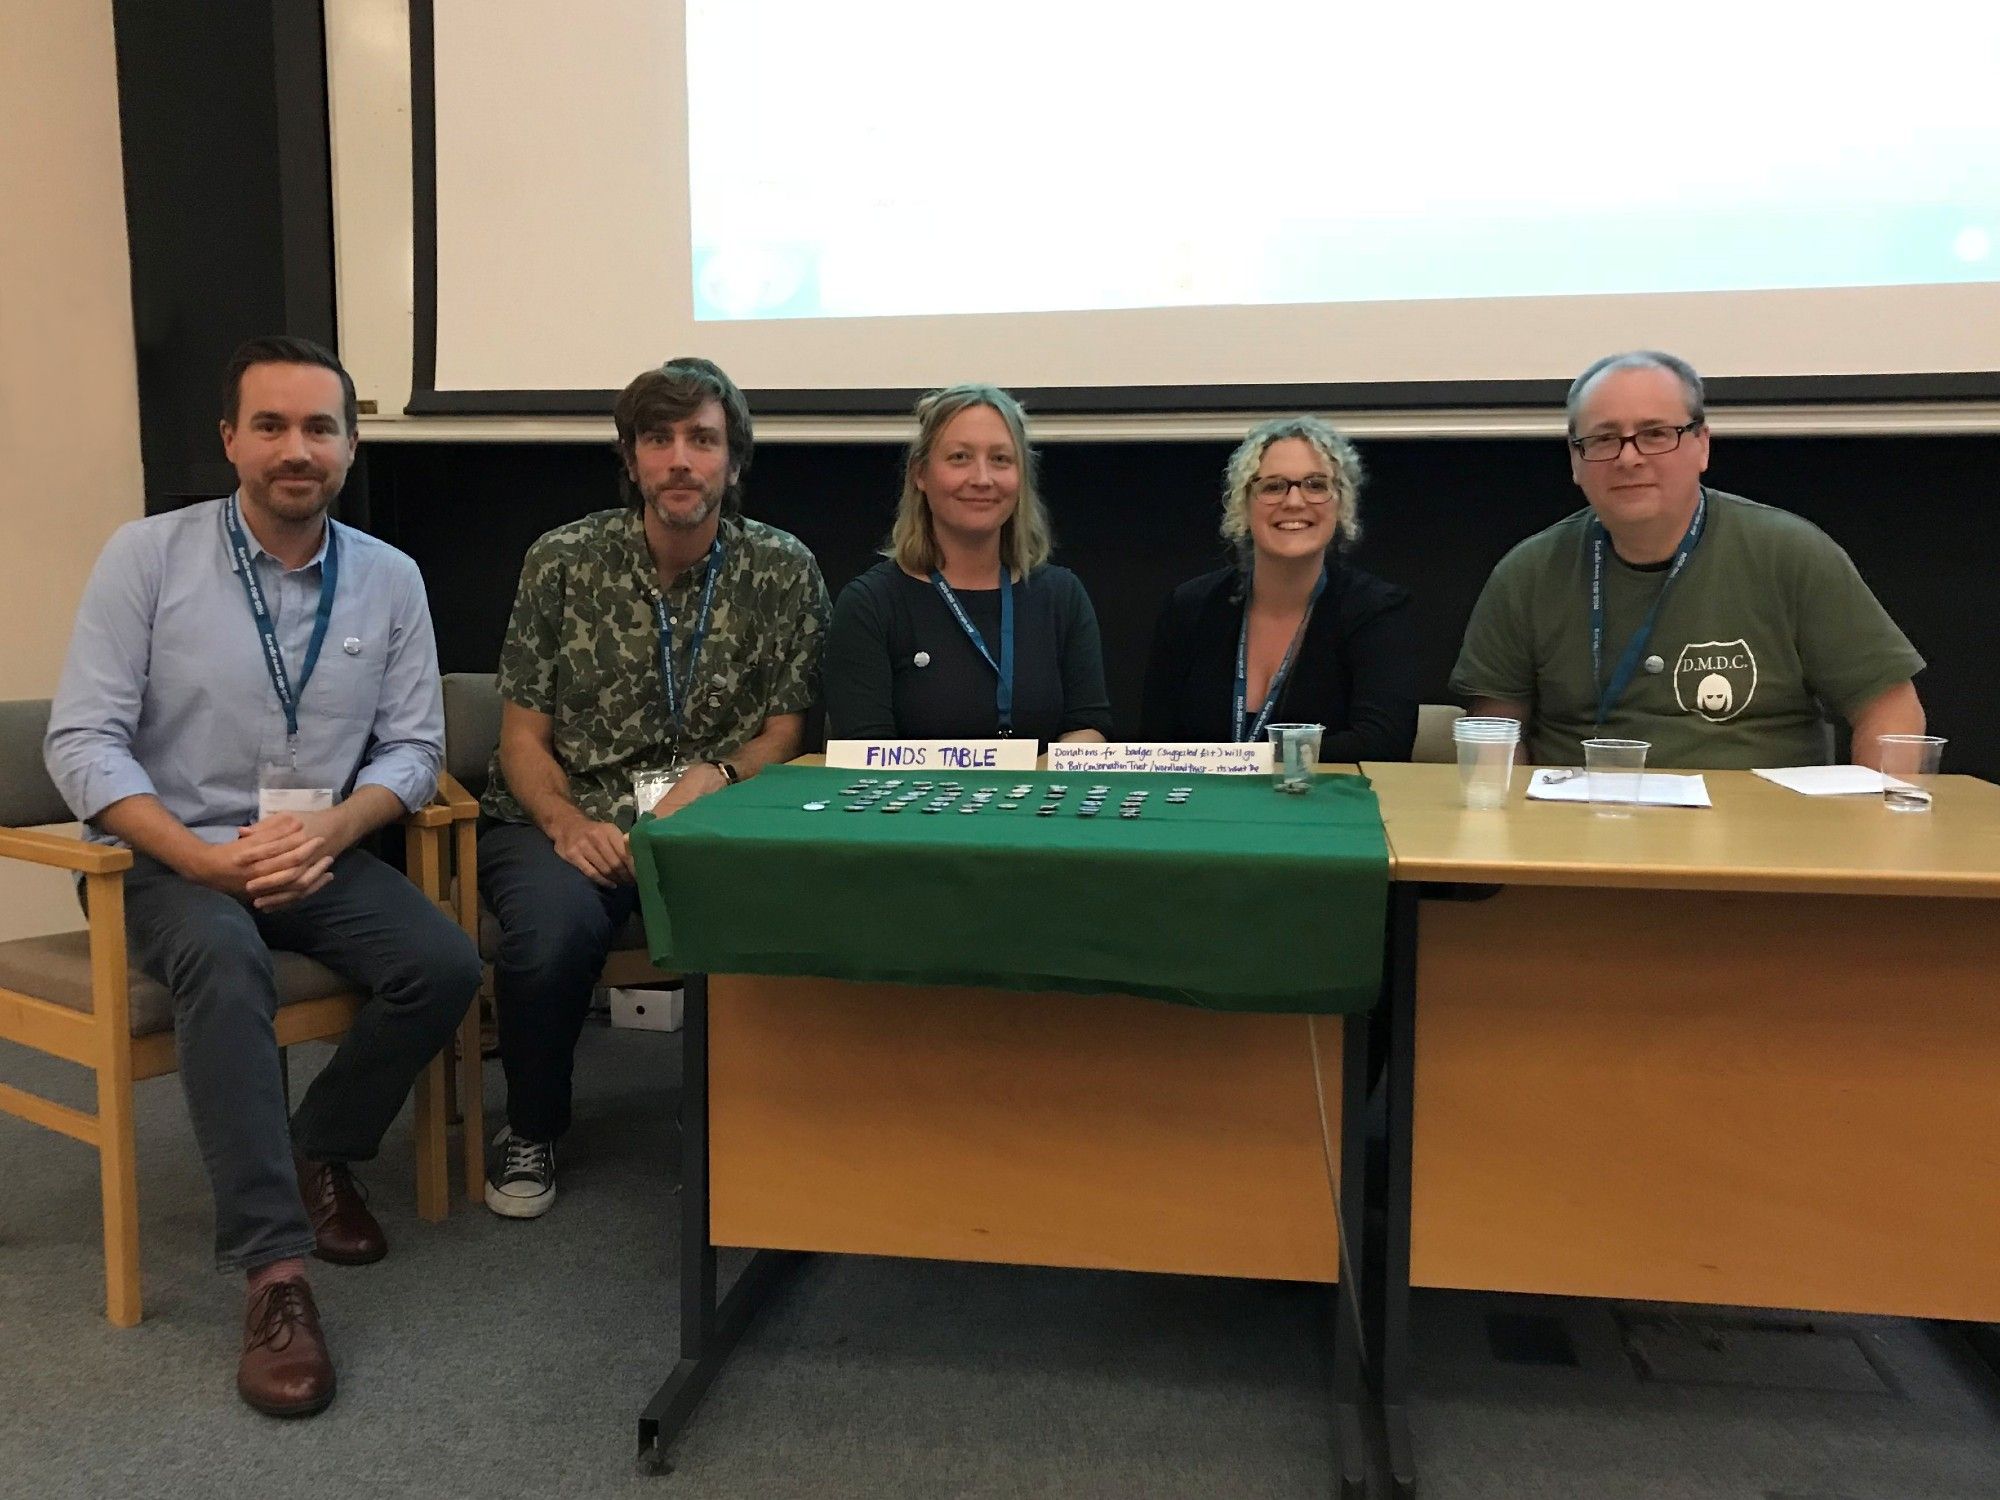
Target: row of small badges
(893, 795)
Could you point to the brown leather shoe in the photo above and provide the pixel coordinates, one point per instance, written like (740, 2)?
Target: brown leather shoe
(344, 1231)
(285, 1370)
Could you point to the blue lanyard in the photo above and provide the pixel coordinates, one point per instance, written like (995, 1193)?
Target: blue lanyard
(676, 700)
(1240, 706)
(1621, 675)
(274, 658)
(1003, 669)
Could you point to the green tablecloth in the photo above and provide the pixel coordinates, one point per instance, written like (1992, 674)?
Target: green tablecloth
(1239, 899)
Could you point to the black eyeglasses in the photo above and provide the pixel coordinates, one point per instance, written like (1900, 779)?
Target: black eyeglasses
(1317, 489)
(1603, 447)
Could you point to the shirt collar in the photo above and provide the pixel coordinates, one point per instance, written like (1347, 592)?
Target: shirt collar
(729, 531)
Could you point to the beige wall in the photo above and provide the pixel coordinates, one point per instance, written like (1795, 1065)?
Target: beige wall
(69, 417)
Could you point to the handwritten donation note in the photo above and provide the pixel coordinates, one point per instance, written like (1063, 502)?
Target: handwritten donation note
(931, 755)
(1185, 760)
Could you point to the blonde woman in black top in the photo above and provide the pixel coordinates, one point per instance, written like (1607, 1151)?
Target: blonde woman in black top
(965, 629)
(1290, 632)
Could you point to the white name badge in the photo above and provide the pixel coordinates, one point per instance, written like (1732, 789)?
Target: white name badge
(1220, 759)
(280, 789)
(293, 799)
(932, 755)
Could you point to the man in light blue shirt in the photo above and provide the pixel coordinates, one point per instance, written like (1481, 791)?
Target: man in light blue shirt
(252, 688)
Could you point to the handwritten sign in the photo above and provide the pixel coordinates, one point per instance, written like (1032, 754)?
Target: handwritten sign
(1252, 759)
(934, 755)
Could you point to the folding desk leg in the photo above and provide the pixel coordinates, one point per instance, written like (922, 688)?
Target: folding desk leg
(1350, 1394)
(1394, 1293)
(709, 1330)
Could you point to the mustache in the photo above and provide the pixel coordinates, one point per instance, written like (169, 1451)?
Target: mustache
(296, 471)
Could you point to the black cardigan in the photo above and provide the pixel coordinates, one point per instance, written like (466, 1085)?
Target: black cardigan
(1356, 671)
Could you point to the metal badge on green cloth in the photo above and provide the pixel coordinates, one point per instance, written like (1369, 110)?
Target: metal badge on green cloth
(1233, 898)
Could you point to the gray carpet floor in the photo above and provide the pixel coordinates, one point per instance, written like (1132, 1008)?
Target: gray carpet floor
(486, 1358)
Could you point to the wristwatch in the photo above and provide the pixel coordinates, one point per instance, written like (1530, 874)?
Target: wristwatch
(729, 773)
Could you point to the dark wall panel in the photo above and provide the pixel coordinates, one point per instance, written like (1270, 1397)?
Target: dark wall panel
(228, 209)
(1135, 518)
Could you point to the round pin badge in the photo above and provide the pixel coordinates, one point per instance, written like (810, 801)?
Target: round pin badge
(1655, 664)
(921, 659)
(352, 645)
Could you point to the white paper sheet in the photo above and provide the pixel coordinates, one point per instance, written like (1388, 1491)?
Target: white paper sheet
(1656, 789)
(1830, 781)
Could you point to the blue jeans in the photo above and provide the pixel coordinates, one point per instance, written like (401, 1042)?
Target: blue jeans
(369, 925)
(556, 929)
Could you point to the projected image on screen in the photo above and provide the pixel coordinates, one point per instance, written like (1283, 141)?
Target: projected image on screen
(873, 158)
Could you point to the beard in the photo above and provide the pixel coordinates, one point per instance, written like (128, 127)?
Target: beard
(677, 485)
(271, 494)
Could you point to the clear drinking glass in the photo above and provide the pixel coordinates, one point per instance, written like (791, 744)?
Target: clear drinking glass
(1911, 759)
(1486, 749)
(1617, 770)
(1295, 752)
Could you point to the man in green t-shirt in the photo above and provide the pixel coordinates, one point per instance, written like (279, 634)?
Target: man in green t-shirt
(1716, 629)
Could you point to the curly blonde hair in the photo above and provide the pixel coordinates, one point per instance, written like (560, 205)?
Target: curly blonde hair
(1025, 541)
(1241, 471)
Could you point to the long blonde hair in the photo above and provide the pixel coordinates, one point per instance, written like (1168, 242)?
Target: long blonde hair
(1025, 541)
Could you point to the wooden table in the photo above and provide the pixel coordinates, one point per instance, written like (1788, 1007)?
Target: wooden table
(1747, 1054)
(1101, 1131)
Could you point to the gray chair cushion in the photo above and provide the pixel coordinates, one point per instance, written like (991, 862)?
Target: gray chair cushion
(28, 799)
(57, 969)
(471, 726)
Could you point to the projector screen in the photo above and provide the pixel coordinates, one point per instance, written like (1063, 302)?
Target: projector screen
(1120, 205)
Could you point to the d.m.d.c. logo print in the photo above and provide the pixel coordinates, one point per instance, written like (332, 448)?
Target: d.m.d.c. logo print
(1716, 679)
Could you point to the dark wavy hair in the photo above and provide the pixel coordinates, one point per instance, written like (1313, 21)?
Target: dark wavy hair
(657, 399)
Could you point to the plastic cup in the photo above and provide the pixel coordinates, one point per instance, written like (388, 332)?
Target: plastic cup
(1486, 760)
(1912, 760)
(1294, 754)
(1617, 770)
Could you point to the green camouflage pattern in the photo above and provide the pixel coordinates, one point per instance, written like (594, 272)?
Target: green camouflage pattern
(582, 647)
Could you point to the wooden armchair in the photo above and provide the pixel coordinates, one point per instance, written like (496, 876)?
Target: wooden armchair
(70, 996)
(471, 735)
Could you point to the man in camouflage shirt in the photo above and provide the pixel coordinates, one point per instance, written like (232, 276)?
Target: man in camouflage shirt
(669, 634)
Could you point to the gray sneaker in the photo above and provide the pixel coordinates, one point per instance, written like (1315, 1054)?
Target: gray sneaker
(524, 1187)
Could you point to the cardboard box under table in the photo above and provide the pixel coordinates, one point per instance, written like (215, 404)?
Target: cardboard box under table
(1096, 1041)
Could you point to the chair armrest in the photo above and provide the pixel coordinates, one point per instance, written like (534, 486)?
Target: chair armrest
(63, 852)
(462, 805)
(431, 815)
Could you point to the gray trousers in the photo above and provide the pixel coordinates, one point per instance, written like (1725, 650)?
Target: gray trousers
(369, 925)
